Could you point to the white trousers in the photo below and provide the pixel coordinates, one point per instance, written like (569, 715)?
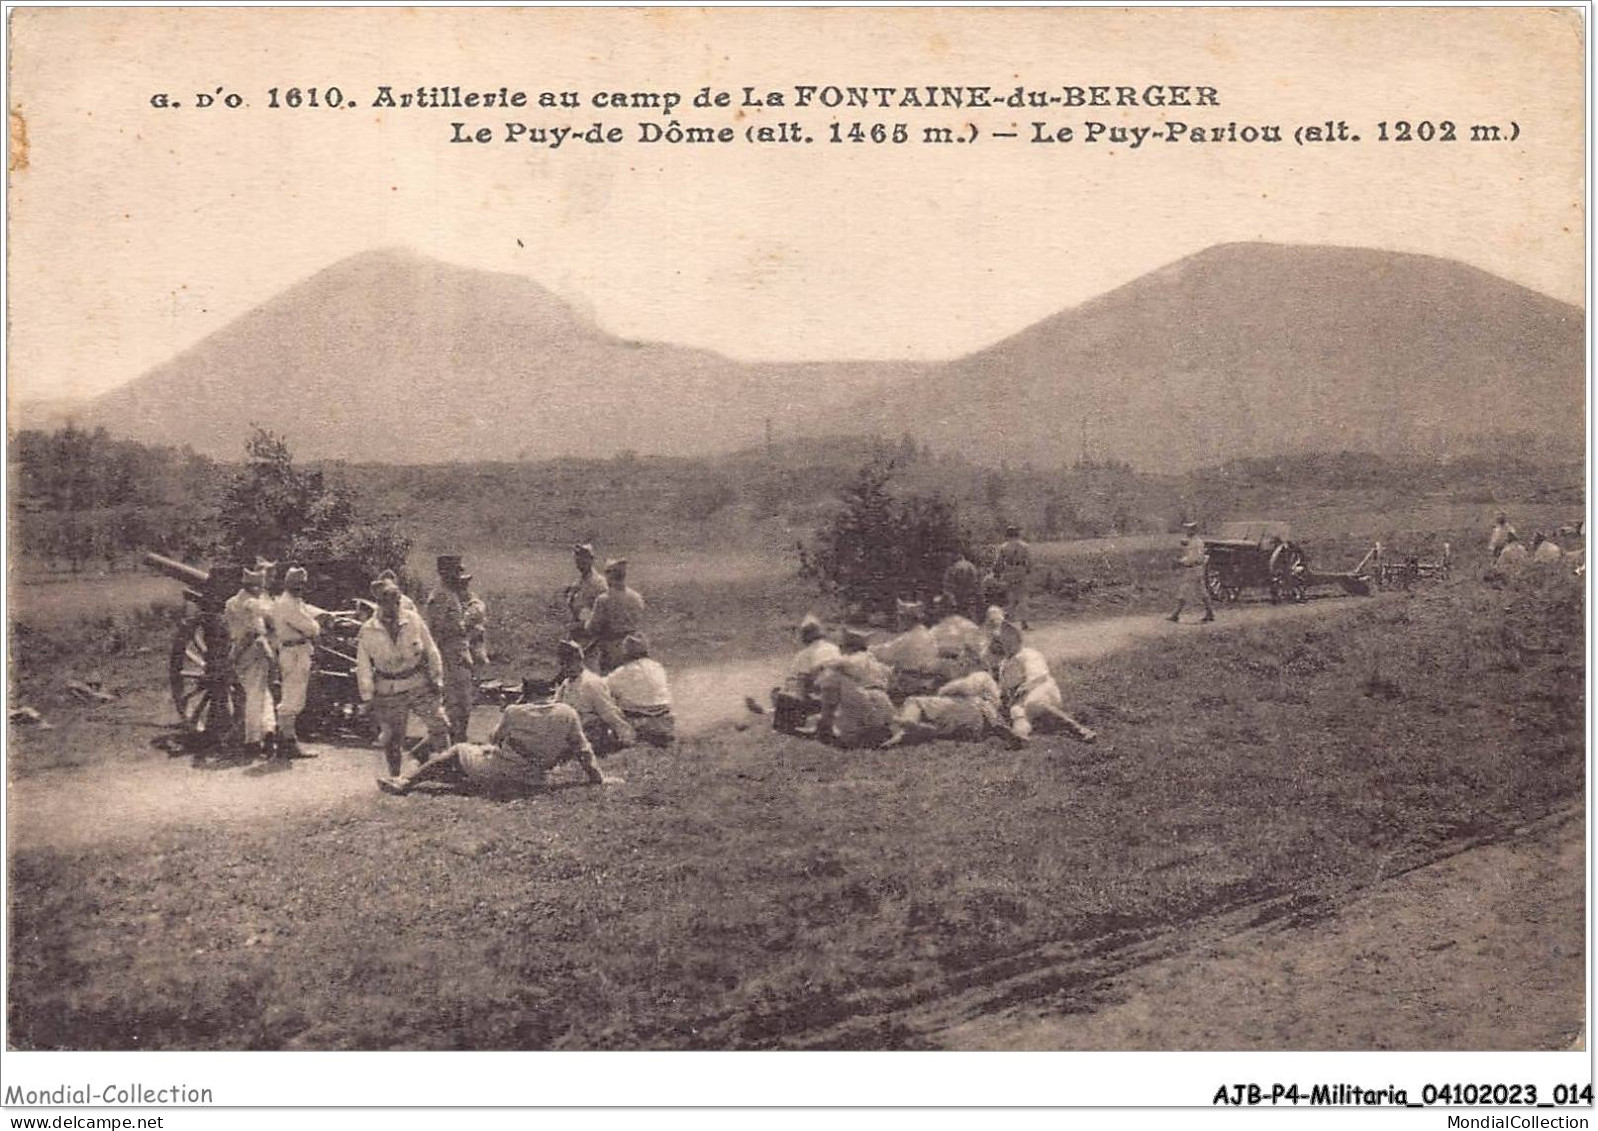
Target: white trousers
(260, 719)
(294, 668)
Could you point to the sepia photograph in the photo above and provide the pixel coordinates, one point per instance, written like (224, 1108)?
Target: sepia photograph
(935, 530)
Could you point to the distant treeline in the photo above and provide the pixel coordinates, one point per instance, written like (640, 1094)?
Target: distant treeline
(86, 498)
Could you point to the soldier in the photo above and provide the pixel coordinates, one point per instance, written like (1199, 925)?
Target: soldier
(913, 653)
(962, 585)
(618, 612)
(1031, 695)
(855, 708)
(446, 621)
(798, 698)
(295, 627)
(580, 689)
(399, 672)
(582, 593)
(474, 618)
(1502, 535)
(248, 615)
(405, 601)
(640, 689)
(533, 737)
(1192, 563)
(965, 708)
(961, 643)
(1012, 570)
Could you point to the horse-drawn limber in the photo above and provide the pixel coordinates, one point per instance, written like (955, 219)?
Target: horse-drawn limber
(206, 694)
(1263, 555)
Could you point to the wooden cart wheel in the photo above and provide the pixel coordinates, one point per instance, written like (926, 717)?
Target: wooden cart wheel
(202, 688)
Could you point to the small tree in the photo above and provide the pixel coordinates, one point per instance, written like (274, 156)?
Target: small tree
(272, 509)
(879, 547)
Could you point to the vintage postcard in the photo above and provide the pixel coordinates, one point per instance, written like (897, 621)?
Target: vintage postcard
(947, 530)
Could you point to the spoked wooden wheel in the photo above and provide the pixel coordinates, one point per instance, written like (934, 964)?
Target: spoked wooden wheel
(202, 687)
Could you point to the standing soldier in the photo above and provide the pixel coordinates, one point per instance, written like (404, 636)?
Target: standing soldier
(1012, 569)
(962, 585)
(446, 621)
(248, 614)
(582, 593)
(1503, 534)
(618, 613)
(295, 628)
(399, 671)
(1192, 562)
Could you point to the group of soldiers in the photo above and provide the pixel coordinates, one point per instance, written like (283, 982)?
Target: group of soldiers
(572, 714)
(1507, 550)
(402, 657)
(426, 661)
(940, 676)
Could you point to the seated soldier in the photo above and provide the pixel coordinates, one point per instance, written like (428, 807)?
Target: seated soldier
(584, 691)
(533, 737)
(855, 708)
(912, 654)
(1030, 694)
(961, 643)
(964, 708)
(798, 698)
(639, 688)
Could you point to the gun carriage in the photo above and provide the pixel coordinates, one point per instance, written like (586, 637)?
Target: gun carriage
(1263, 555)
(206, 694)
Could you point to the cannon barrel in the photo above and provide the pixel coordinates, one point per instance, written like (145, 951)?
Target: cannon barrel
(178, 571)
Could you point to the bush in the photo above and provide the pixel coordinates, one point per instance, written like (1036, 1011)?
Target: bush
(879, 547)
(272, 509)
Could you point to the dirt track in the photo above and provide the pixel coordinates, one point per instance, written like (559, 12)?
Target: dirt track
(1476, 950)
(134, 797)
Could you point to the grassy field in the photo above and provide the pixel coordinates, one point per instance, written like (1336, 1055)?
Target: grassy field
(750, 891)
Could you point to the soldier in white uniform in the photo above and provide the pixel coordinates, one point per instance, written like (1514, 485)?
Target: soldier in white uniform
(584, 691)
(1502, 535)
(295, 627)
(640, 689)
(913, 653)
(248, 615)
(1192, 562)
(399, 672)
(798, 698)
(1030, 694)
(855, 708)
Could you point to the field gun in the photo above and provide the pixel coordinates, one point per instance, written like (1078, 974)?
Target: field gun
(205, 692)
(1263, 555)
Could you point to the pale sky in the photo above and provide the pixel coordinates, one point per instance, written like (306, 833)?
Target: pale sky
(135, 232)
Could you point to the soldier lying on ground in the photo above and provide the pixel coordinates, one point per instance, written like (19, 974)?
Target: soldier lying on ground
(533, 737)
(966, 708)
(640, 689)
